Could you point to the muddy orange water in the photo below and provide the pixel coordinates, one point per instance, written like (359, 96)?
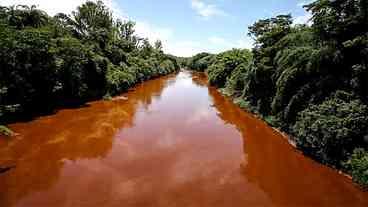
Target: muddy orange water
(174, 142)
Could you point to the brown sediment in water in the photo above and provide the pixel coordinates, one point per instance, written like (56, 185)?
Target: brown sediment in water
(172, 141)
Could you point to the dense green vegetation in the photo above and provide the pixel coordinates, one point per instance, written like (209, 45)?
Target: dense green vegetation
(309, 81)
(70, 59)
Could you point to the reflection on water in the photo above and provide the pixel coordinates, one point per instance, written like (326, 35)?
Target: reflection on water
(174, 142)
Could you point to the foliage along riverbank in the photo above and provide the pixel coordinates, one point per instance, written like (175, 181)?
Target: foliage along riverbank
(67, 60)
(308, 81)
(6, 131)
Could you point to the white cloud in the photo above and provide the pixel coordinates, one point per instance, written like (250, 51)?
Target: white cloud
(153, 33)
(246, 42)
(51, 7)
(206, 10)
(306, 17)
(303, 19)
(213, 44)
(184, 48)
(63, 6)
(200, 115)
(217, 40)
(304, 2)
(222, 44)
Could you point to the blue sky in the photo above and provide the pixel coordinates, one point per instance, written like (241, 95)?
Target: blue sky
(187, 27)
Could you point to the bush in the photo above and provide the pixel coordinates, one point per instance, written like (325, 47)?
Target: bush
(236, 82)
(244, 104)
(71, 61)
(203, 63)
(200, 62)
(217, 75)
(357, 166)
(331, 130)
(225, 64)
(166, 67)
(28, 69)
(272, 121)
(119, 79)
(6, 131)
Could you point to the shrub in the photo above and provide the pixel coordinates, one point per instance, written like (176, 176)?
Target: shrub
(119, 79)
(200, 62)
(236, 82)
(225, 64)
(331, 130)
(166, 67)
(217, 75)
(203, 63)
(244, 104)
(71, 61)
(357, 166)
(6, 131)
(28, 68)
(272, 121)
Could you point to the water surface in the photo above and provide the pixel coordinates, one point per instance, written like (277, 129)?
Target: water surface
(175, 142)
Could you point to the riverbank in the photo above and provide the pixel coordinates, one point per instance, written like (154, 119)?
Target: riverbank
(288, 137)
(6, 131)
(283, 134)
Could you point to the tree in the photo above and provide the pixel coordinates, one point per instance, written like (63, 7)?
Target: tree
(158, 45)
(22, 16)
(267, 32)
(357, 165)
(92, 21)
(225, 63)
(70, 59)
(28, 69)
(125, 35)
(261, 84)
(340, 20)
(200, 62)
(146, 48)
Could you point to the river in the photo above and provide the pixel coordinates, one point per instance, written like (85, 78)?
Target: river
(169, 142)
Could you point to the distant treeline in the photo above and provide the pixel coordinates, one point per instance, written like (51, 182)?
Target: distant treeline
(69, 59)
(309, 81)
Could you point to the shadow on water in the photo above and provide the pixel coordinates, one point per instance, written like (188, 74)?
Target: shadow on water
(41, 109)
(5, 169)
